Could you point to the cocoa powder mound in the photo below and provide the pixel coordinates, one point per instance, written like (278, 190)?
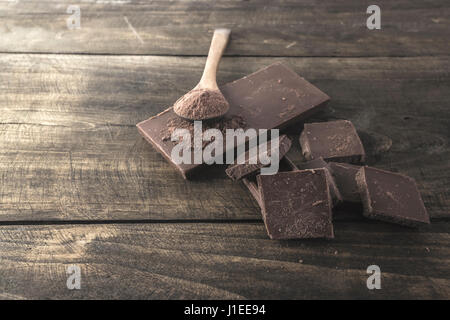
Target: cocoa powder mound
(201, 104)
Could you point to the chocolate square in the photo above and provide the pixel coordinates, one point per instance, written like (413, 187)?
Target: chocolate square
(239, 171)
(333, 141)
(296, 205)
(320, 163)
(391, 197)
(286, 165)
(273, 97)
(344, 175)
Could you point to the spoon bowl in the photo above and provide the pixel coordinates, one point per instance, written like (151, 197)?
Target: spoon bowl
(205, 101)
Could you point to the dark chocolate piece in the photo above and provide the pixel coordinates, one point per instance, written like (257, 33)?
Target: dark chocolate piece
(239, 171)
(287, 165)
(296, 204)
(391, 197)
(320, 163)
(251, 185)
(333, 141)
(250, 182)
(344, 175)
(274, 97)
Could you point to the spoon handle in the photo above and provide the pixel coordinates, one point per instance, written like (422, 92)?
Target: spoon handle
(218, 45)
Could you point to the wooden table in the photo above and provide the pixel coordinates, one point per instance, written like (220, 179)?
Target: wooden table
(79, 186)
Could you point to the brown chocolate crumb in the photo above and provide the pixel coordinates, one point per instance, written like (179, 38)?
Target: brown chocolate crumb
(201, 104)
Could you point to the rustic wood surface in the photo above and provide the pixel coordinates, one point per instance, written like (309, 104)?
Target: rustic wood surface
(201, 260)
(260, 27)
(79, 185)
(71, 151)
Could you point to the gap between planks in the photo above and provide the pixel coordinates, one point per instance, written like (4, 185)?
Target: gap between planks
(139, 221)
(174, 221)
(225, 55)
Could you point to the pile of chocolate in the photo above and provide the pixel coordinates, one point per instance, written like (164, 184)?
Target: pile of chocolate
(297, 202)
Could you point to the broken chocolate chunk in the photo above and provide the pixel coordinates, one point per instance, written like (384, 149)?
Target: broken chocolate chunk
(286, 165)
(391, 197)
(320, 163)
(344, 175)
(333, 141)
(296, 204)
(252, 165)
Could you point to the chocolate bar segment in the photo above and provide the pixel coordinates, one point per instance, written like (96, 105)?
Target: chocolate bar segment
(333, 141)
(252, 165)
(296, 205)
(273, 97)
(391, 197)
(344, 175)
(320, 163)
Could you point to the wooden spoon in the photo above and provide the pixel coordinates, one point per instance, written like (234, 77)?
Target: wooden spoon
(205, 101)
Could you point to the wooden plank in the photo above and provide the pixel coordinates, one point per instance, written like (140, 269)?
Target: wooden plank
(260, 28)
(69, 149)
(216, 261)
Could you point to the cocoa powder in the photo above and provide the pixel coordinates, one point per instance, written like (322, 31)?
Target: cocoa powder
(201, 104)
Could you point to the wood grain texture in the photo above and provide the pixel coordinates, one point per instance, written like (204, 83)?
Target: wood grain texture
(69, 149)
(260, 27)
(216, 261)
